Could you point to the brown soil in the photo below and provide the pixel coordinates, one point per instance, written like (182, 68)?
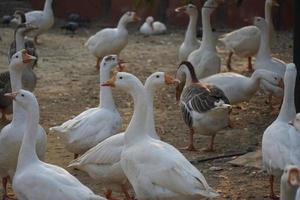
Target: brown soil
(68, 84)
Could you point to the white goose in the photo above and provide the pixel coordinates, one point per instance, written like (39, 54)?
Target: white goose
(42, 19)
(111, 40)
(245, 41)
(289, 183)
(238, 88)
(190, 43)
(102, 162)
(155, 169)
(11, 135)
(205, 59)
(281, 141)
(151, 27)
(96, 124)
(35, 179)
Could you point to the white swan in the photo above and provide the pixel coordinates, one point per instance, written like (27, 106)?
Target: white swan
(11, 135)
(281, 141)
(205, 108)
(190, 43)
(35, 179)
(102, 162)
(238, 88)
(155, 169)
(151, 27)
(42, 19)
(96, 124)
(111, 40)
(245, 41)
(289, 183)
(205, 59)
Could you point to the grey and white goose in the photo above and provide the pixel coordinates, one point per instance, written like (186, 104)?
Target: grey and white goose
(28, 76)
(204, 107)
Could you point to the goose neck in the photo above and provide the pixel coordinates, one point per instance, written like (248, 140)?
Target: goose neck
(106, 97)
(191, 32)
(264, 47)
(19, 40)
(122, 24)
(150, 123)
(28, 153)
(207, 40)
(269, 20)
(288, 111)
(48, 6)
(254, 80)
(287, 192)
(136, 128)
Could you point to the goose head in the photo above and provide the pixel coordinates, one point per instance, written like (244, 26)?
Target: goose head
(19, 17)
(296, 122)
(189, 9)
(111, 61)
(271, 3)
(24, 98)
(271, 77)
(149, 21)
(130, 17)
(159, 79)
(260, 22)
(19, 59)
(210, 6)
(289, 183)
(124, 81)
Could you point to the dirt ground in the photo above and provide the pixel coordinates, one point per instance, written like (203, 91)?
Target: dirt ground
(68, 84)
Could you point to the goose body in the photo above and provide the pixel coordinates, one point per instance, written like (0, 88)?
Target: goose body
(42, 19)
(96, 124)
(35, 179)
(204, 107)
(281, 141)
(12, 134)
(205, 59)
(166, 173)
(190, 43)
(238, 88)
(245, 41)
(151, 27)
(110, 40)
(102, 162)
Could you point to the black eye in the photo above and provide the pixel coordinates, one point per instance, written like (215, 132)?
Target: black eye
(275, 78)
(22, 95)
(17, 56)
(157, 76)
(121, 77)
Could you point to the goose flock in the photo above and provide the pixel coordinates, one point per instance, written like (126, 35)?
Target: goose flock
(137, 162)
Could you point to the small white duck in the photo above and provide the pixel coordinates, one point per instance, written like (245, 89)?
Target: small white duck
(155, 169)
(205, 59)
(42, 19)
(35, 179)
(281, 141)
(111, 40)
(151, 27)
(12, 134)
(102, 162)
(238, 88)
(289, 183)
(204, 107)
(96, 124)
(245, 41)
(190, 43)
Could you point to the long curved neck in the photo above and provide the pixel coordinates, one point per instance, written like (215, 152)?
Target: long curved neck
(48, 6)
(287, 192)
(136, 128)
(207, 40)
(16, 85)
(20, 42)
(264, 47)
(27, 154)
(191, 32)
(269, 20)
(150, 123)
(254, 81)
(122, 24)
(106, 97)
(288, 111)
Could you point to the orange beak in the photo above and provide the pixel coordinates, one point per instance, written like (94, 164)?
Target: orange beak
(293, 178)
(26, 57)
(110, 82)
(169, 80)
(11, 95)
(136, 18)
(180, 9)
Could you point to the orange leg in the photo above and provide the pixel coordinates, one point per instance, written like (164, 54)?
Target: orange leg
(272, 194)
(211, 145)
(250, 64)
(125, 191)
(108, 195)
(229, 61)
(4, 185)
(190, 147)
